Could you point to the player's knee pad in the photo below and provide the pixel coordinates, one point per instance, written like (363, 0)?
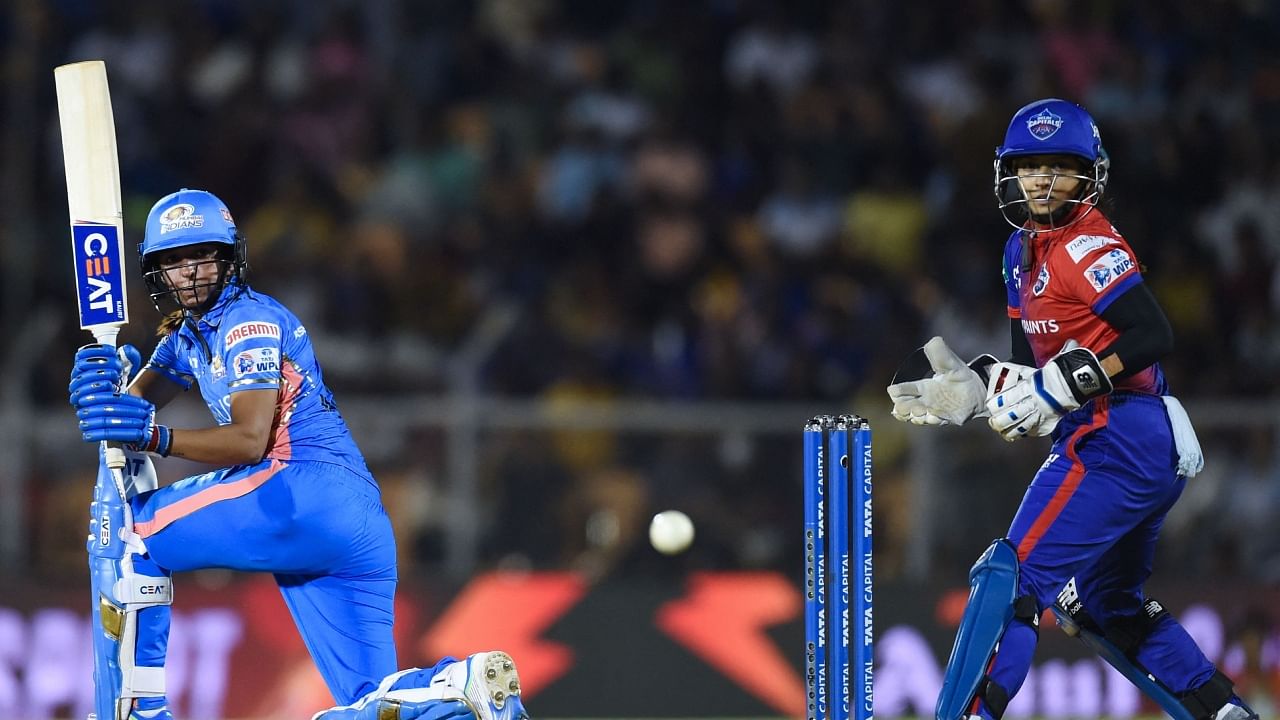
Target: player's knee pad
(131, 620)
(1118, 644)
(993, 604)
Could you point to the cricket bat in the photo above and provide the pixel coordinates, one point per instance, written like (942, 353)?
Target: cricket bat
(97, 240)
(93, 197)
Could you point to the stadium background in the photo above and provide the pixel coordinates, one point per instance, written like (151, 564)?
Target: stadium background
(569, 262)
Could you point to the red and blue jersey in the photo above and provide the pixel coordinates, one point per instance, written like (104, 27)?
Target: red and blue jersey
(1075, 273)
(249, 341)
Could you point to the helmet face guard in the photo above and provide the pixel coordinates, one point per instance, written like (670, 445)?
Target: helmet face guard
(1050, 127)
(183, 219)
(167, 297)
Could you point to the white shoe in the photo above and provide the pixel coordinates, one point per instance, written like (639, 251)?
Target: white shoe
(487, 682)
(1232, 711)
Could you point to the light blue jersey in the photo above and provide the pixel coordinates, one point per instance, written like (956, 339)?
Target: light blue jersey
(249, 341)
(309, 512)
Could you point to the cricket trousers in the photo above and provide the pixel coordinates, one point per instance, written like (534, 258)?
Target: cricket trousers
(1093, 512)
(319, 528)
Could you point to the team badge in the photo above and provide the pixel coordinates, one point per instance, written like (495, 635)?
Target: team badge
(217, 368)
(180, 217)
(1044, 124)
(1042, 281)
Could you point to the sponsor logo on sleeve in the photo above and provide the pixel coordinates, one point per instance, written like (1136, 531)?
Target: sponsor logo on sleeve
(1105, 271)
(247, 330)
(1085, 244)
(255, 361)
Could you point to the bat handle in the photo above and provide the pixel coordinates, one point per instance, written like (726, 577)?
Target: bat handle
(111, 452)
(106, 334)
(113, 455)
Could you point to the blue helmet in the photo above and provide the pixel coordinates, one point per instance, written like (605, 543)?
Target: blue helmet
(190, 217)
(1051, 127)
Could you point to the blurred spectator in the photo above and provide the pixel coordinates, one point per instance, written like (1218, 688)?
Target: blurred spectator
(729, 200)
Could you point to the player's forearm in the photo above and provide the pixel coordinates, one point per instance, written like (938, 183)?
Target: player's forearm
(1145, 334)
(234, 444)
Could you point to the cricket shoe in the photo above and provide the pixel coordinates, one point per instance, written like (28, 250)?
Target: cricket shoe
(487, 682)
(150, 708)
(1234, 711)
(408, 704)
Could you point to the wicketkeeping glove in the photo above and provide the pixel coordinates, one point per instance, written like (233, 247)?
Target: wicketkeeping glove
(123, 418)
(102, 369)
(953, 395)
(1037, 400)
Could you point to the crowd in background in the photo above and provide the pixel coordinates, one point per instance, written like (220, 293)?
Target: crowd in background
(715, 200)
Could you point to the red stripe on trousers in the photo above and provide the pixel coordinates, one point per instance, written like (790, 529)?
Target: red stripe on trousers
(1069, 483)
(206, 497)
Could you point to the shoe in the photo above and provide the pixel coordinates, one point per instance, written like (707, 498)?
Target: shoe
(1232, 711)
(487, 682)
(150, 708)
(400, 705)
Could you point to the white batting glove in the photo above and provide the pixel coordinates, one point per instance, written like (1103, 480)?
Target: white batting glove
(1027, 402)
(953, 395)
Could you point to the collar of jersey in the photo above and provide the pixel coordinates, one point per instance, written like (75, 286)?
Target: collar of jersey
(213, 318)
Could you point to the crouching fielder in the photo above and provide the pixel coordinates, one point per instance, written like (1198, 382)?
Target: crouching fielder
(1087, 334)
(294, 497)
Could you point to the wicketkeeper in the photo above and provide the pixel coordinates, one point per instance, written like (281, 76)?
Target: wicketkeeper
(1087, 335)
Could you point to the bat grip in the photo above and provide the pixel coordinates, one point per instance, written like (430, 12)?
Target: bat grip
(113, 455)
(111, 452)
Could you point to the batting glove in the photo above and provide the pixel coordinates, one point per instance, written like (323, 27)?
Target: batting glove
(952, 396)
(102, 368)
(1035, 400)
(123, 418)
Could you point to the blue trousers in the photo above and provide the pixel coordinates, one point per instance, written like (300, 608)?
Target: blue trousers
(1093, 512)
(319, 528)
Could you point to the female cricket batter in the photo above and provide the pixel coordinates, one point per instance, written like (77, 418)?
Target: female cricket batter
(1087, 334)
(294, 499)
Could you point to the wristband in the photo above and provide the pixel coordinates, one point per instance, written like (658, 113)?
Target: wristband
(160, 442)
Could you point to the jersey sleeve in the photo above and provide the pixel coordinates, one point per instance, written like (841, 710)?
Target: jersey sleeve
(252, 347)
(1010, 271)
(167, 361)
(1101, 268)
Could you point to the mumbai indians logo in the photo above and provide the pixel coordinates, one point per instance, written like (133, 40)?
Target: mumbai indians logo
(1043, 125)
(180, 217)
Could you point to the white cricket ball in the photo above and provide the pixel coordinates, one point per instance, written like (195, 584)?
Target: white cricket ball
(671, 532)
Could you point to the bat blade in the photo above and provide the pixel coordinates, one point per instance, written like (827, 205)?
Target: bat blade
(93, 196)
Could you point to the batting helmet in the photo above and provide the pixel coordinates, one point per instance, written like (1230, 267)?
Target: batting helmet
(190, 217)
(1051, 127)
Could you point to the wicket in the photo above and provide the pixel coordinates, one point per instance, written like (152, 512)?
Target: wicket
(837, 489)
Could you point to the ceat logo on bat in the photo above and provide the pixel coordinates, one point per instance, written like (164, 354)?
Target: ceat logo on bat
(247, 330)
(99, 274)
(180, 217)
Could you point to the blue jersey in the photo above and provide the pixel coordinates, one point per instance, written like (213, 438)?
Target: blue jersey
(249, 341)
